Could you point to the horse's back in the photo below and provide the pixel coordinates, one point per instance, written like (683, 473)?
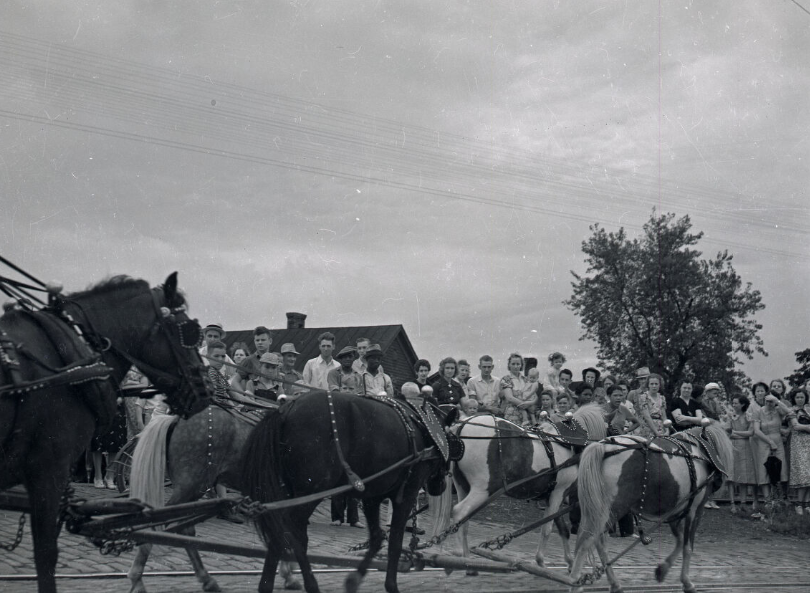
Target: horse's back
(371, 433)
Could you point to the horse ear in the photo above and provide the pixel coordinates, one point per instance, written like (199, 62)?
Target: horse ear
(170, 287)
(451, 417)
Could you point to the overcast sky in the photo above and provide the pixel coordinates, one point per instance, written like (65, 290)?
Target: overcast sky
(430, 164)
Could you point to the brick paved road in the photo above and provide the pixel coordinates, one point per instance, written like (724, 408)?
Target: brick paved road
(722, 558)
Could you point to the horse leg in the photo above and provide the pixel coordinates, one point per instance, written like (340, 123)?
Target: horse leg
(298, 540)
(689, 530)
(401, 511)
(371, 510)
(565, 536)
(285, 571)
(208, 582)
(44, 496)
(615, 586)
(135, 574)
(268, 572)
(554, 500)
(663, 568)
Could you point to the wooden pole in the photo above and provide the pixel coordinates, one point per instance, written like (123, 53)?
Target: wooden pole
(459, 563)
(203, 545)
(524, 566)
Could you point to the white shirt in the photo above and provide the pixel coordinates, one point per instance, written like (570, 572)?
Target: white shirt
(316, 370)
(486, 392)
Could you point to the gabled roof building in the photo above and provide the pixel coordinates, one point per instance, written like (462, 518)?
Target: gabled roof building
(398, 353)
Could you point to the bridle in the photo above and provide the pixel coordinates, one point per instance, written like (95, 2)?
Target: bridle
(183, 335)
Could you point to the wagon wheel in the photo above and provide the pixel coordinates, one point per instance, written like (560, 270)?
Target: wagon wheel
(122, 464)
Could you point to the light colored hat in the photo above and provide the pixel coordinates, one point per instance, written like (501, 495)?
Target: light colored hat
(642, 372)
(289, 348)
(270, 358)
(711, 386)
(215, 326)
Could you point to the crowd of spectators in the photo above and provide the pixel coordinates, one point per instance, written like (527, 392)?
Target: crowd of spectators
(764, 421)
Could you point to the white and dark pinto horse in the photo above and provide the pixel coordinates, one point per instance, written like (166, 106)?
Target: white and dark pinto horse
(498, 453)
(667, 479)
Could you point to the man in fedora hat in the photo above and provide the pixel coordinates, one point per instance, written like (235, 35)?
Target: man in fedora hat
(642, 374)
(375, 381)
(289, 355)
(344, 378)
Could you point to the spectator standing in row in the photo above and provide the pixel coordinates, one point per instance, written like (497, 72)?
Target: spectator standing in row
(685, 410)
(375, 381)
(267, 385)
(446, 389)
(566, 376)
(768, 438)
(800, 451)
(316, 369)
(362, 345)
(642, 376)
(213, 332)
(288, 357)
(513, 387)
(262, 340)
(344, 379)
(653, 407)
(463, 375)
(741, 429)
(485, 387)
(422, 370)
(239, 352)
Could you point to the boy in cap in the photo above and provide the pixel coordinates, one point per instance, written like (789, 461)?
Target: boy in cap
(375, 381)
(213, 332)
(344, 378)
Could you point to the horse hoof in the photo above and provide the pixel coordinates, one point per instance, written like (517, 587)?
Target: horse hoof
(211, 586)
(540, 561)
(448, 571)
(689, 589)
(292, 585)
(661, 572)
(138, 588)
(352, 583)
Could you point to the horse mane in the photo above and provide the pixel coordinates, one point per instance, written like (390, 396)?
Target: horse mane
(590, 415)
(112, 284)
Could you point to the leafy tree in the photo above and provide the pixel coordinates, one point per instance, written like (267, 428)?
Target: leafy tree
(802, 374)
(652, 301)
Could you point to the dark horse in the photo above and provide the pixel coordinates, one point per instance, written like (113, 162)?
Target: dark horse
(43, 431)
(198, 453)
(292, 453)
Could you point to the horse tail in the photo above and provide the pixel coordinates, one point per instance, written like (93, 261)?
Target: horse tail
(148, 471)
(591, 491)
(261, 477)
(590, 415)
(442, 506)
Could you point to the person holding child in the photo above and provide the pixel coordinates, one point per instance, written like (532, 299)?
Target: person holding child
(514, 391)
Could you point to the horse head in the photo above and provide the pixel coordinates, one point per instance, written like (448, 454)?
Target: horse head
(150, 329)
(170, 356)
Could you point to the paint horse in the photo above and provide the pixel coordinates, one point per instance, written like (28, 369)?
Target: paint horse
(313, 445)
(667, 479)
(498, 452)
(198, 453)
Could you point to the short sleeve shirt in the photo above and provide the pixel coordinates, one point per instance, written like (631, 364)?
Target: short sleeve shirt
(686, 408)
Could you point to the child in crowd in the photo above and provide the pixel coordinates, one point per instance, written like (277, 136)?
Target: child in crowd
(532, 387)
(469, 407)
(556, 359)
